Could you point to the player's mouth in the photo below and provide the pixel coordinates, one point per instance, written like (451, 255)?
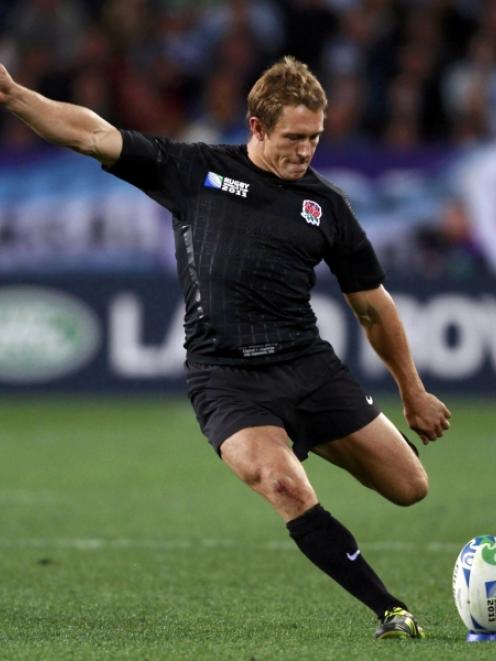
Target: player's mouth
(299, 166)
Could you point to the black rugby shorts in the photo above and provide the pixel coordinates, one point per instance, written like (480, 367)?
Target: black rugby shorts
(314, 398)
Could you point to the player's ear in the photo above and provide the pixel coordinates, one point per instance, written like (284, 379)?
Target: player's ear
(257, 129)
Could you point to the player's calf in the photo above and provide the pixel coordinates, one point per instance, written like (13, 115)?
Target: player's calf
(334, 550)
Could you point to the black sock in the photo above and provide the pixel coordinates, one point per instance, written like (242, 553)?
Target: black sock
(330, 546)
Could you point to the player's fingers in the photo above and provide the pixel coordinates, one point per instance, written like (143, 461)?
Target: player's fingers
(439, 430)
(431, 434)
(442, 426)
(424, 435)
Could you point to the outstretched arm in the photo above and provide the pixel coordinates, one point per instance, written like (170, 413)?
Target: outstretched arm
(64, 124)
(377, 313)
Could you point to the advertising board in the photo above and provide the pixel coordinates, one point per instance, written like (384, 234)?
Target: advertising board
(126, 333)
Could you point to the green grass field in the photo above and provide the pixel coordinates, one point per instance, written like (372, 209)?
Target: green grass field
(124, 537)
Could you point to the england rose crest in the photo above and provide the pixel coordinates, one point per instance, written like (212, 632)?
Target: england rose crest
(311, 212)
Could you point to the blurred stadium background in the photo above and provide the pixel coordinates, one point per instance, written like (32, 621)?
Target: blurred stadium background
(89, 304)
(410, 136)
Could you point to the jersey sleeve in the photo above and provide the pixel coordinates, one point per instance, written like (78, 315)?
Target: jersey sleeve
(162, 168)
(351, 256)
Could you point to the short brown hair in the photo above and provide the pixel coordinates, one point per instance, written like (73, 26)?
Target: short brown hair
(287, 83)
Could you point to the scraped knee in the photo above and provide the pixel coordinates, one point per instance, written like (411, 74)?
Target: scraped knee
(288, 493)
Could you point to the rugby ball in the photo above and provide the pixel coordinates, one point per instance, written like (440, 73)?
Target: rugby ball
(474, 584)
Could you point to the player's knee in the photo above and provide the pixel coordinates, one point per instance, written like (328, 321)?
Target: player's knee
(291, 490)
(283, 488)
(252, 476)
(413, 491)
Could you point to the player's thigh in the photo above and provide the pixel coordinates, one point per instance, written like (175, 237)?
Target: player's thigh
(380, 458)
(262, 458)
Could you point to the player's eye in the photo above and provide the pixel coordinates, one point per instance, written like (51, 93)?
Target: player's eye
(299, 138)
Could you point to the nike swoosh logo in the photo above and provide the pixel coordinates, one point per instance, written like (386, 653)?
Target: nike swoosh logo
(353, 556)
(369, 399)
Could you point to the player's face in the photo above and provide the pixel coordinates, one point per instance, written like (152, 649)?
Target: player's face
(289, 147)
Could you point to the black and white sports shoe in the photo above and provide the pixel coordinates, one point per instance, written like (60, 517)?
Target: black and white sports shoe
(399, 623)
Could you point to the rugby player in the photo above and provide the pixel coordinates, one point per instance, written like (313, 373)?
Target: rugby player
(251, 223)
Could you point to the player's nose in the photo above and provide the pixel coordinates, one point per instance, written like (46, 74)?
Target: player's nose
(304, 149)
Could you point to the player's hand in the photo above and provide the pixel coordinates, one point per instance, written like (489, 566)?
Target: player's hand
(427, 416)
(6, 84)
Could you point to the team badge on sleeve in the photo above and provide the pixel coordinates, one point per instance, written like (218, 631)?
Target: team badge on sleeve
(311, 212)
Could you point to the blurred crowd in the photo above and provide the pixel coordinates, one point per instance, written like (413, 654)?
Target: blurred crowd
(403, 72)
(400, 75)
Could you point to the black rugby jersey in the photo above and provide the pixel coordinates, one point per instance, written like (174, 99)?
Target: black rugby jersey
(247, 244)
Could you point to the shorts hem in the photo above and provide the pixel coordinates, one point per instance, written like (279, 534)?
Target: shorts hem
(303, 447)
(233, 429)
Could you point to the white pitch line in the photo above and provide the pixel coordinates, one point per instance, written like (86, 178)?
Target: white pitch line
(97, 544)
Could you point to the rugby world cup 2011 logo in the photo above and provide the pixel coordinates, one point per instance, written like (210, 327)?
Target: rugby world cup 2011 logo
(311, 212)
